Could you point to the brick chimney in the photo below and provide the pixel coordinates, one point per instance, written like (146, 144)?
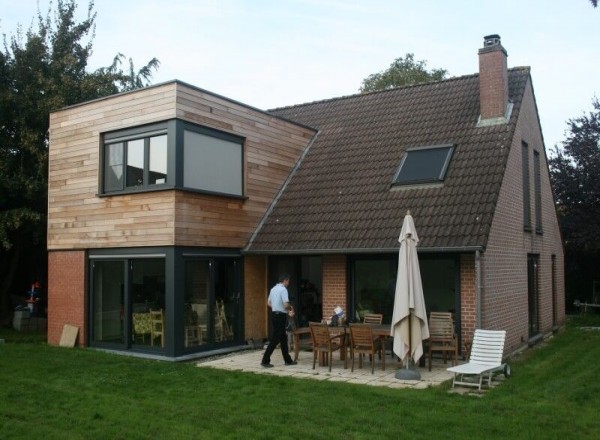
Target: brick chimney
(493, 81)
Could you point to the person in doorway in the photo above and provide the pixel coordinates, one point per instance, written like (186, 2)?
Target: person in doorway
(280, 310)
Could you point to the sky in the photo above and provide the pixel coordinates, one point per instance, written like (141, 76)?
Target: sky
(274, 53)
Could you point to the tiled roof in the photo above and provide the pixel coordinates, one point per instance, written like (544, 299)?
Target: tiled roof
(340, 199)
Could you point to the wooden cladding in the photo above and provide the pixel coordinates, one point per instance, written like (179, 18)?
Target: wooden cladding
(78, 218)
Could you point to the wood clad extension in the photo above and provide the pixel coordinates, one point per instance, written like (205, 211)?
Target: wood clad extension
(79, 219)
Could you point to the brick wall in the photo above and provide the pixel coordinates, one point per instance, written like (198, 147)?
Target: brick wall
(67, 294)
(334, 284)
(505, 294)
(468, 297)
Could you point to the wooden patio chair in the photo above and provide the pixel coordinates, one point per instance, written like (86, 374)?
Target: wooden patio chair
(157, 329)
(325, 344)
(372, 318)
(442, 336)
(485, 360)
(362, 342)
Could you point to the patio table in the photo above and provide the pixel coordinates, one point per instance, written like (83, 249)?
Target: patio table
(382, 331)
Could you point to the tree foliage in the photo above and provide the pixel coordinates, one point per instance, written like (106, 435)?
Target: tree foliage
(575, 170)
(42, 70)
(402, 72)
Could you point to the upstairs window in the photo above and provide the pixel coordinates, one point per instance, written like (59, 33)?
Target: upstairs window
(212, 161)
(135, 160)
(537, 186)
(424, 165)
(172, 154)
(526, 187)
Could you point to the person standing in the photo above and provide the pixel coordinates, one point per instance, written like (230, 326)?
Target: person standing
(280, 309)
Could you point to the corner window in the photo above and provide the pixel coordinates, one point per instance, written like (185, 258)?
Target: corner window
(212, 161)
(134, 159)
(424, 165)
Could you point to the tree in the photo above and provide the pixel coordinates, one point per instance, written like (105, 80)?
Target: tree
(594, 3)
(42, 71)
(574, 170)
(402, 72)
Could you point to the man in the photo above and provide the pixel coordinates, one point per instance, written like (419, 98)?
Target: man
(280, 309)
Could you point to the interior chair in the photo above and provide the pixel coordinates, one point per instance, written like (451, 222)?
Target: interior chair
(485, 360)
(201, 310)
(223, 331)
(372, 318)
(362, 342)
(325, 344)
(141, 326)
(157, 329)
(442, 336)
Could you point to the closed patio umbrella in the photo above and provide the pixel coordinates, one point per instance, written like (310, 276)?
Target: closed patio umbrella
(409, 320)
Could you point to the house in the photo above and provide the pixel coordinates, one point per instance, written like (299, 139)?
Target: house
(175, 200)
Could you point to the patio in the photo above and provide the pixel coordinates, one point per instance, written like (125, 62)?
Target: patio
(249, 361)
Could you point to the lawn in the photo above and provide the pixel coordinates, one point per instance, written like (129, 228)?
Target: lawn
(59, 393)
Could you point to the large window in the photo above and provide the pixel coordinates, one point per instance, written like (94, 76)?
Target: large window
(172, 154)
(424, 165)
(135, 160)
(128, 302)
(212, 161)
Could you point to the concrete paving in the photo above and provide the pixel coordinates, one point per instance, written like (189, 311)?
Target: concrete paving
(249, 361)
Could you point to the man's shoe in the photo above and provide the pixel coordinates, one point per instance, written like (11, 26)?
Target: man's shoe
(266, 365)
(292, 363)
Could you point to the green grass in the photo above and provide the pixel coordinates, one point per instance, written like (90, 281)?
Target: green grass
(58, 393)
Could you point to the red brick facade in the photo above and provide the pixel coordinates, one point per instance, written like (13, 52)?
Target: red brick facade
(334, 284)
(468, 296)
(67, 297)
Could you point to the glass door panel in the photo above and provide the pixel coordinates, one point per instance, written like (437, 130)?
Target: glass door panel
(148, 312)
(108, 280)
(196, 313)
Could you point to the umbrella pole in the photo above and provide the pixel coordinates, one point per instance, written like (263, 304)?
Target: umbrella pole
(408, 373)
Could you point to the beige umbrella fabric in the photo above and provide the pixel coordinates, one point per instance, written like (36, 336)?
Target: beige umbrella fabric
(409, 320)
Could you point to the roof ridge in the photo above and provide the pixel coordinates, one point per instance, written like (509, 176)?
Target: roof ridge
(404, 87)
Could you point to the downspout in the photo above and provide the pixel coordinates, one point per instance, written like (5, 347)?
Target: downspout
(478, 289)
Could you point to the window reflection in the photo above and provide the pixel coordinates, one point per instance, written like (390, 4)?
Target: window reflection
(158, 160)
(135, 162)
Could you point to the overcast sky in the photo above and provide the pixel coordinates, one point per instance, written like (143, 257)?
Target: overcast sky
(272, 53)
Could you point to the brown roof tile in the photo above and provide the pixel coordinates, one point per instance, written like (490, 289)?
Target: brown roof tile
(339, 198)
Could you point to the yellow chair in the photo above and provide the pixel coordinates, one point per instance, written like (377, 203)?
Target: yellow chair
(157, 329)
(141, 326)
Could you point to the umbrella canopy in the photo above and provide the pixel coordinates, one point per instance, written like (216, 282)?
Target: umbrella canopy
(409, 321)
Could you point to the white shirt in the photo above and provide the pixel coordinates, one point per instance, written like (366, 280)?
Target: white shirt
(278, 297)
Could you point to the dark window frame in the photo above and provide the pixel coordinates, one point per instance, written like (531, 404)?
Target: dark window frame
(433, 176)
(526, 187)
(537, 186)
(174, 130)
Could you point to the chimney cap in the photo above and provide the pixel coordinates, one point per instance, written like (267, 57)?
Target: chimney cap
(491, 40)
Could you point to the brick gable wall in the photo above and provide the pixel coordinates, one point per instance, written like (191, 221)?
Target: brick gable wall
(505, 296)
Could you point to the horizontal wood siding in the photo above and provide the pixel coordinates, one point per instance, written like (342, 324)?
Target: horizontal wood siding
(79, 219)
(271, 149)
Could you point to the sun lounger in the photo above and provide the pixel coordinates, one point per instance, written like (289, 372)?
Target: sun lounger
(484, 361)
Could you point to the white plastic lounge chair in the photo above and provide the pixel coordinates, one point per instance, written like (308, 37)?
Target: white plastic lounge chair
(484, 361)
